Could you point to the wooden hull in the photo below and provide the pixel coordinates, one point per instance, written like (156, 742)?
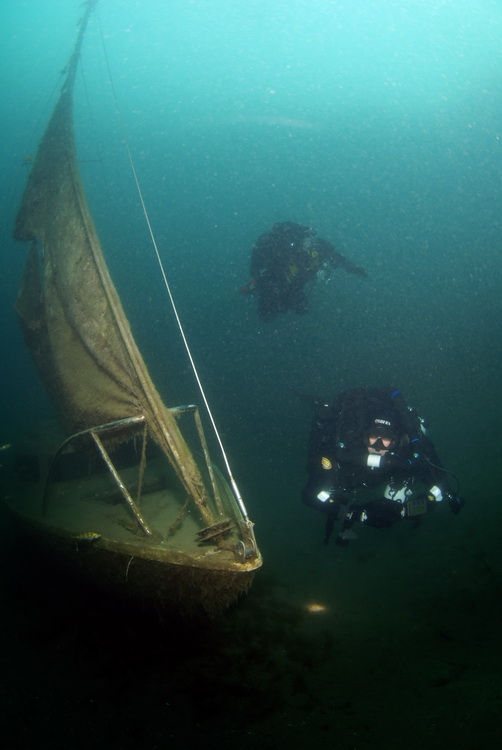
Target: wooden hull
(187, 585)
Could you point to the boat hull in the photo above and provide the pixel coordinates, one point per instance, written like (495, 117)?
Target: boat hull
(188, 586)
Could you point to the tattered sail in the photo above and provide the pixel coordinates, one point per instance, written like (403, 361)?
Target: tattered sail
(71, 313)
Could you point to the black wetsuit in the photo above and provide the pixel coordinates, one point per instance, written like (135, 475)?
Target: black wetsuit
(341, 469)
(284, 260)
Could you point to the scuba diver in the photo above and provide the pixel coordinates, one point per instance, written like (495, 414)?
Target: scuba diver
(369, 461)
(283, 261)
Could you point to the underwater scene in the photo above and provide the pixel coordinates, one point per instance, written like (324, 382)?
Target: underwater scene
(316, 185)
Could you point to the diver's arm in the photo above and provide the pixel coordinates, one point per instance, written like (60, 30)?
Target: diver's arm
(319, 491)
(339, 261)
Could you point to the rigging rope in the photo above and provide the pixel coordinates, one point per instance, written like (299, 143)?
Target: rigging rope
(233, 483)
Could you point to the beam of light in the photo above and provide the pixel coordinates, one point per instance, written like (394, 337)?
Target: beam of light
(315, 608)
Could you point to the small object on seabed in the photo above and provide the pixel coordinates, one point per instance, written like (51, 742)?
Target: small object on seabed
(87, 536)
(212, 533)
(5, 446)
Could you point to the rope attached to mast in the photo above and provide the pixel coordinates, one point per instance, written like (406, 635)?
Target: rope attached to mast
(233, 483)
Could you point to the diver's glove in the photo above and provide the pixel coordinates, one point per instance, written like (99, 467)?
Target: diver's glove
(455, 502)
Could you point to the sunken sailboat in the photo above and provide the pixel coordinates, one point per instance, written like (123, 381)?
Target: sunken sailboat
(131, 493)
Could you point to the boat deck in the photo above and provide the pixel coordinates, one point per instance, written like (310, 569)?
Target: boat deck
(92, 509)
